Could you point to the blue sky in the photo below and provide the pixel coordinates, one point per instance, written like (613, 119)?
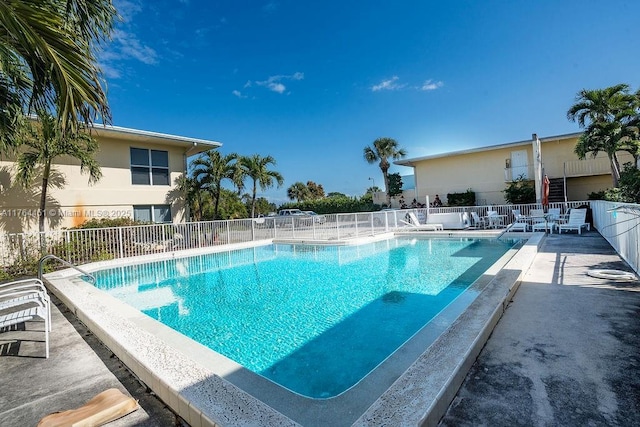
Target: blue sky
(312, 83)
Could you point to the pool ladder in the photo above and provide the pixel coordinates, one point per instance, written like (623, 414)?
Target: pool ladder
(91, 277)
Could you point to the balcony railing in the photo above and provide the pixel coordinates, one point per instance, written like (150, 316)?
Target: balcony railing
(587, 167)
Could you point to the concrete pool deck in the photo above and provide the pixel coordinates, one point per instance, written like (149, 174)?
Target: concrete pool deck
(488, 395)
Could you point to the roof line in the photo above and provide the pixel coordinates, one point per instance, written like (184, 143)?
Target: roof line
(118, 129)
(408, 162)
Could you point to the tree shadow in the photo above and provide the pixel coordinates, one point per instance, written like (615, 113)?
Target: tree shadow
(19, 205)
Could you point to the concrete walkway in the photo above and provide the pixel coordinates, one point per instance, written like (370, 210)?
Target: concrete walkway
(567, 350)
(565, 353)
(78, 368)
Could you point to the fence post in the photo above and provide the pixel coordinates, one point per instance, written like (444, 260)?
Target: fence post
(253, 230)
(67, 246)
(356, 215)
(120, 242)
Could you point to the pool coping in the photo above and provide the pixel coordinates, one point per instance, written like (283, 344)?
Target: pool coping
(201, 395)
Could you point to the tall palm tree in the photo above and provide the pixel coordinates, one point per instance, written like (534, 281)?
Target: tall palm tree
(605, 115)
(382, 150)
(43, 142)
(47, 61)
(298, 191)
(211, 169)
(257, 168)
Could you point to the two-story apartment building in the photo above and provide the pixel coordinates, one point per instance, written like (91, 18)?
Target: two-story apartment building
(488, 170)
(139, 173)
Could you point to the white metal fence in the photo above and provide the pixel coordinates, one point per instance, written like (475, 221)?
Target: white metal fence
(97, 244)
(619, 223)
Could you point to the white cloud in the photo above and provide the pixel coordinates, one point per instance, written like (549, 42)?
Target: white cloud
(128, 45)
(109, 71)
(274, 83)
(125, 45)
(238, 94)
(431, 85)
(270, 7)
(389, 84)
(127, 8)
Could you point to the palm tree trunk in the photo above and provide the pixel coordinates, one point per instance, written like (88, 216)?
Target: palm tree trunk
(385, 176)
(216, 204)
(43, 204)
(253, 200)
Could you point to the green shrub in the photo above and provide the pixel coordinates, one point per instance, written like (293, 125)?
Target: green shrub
(468, 198)
(334, 204)
(520, 190)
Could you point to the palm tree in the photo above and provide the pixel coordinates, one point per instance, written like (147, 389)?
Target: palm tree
(211, 169)
(188, 192)
(47, 60)
(383, 149)
(256, 168)
(605, 114)
(298, 191)
(43, 142)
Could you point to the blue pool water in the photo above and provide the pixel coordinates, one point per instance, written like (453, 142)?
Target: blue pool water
(314, 319)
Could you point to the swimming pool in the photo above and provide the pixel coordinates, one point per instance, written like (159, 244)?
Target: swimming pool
(315, 319)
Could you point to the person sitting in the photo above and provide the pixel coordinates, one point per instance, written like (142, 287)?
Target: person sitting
(437, 202)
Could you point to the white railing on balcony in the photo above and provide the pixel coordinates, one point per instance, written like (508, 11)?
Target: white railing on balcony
(587, 167)
(97, 244)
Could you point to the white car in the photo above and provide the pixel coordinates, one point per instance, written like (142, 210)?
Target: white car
(318, 219)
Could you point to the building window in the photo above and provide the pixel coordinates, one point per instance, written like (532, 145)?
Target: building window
(152, 213)
(149, 167)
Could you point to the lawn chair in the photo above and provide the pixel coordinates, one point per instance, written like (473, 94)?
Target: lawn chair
(577, 221)
(21, 292)
(33, 308)
(414, 223)
(494, 220)
(519, 223)
(478, 222)
(551, 223)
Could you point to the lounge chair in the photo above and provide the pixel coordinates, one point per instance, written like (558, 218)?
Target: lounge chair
(414, 223)
(519, 223)
(21, 292)
(494, 220)
(551, 223)
(477, 221)
(23, 313)
(577, 221)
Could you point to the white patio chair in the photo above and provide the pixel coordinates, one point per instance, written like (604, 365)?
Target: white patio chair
(519, 223)
(22, 292)
(494, 220)
(551, 223)
(22, 313)
(576, 221)
(478, 222)
(414, 224)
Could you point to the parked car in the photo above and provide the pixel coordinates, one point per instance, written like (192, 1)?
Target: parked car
(289, 217)
(318, 219)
